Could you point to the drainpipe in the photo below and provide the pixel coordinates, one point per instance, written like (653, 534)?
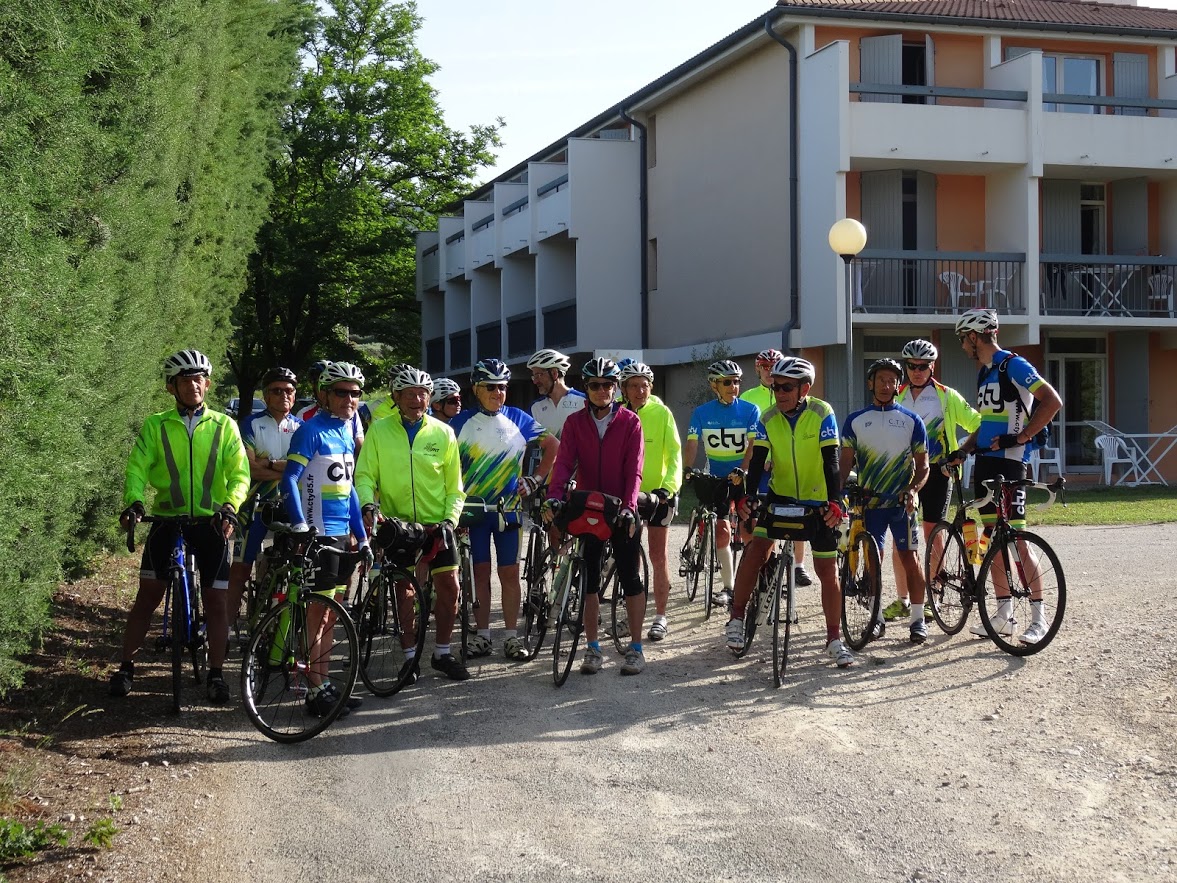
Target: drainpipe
(794, 199)
(644, 208)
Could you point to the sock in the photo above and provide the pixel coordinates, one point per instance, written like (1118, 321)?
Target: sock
(441, 650)
(725, 567)
(739, 612)
(634, 645)
(484, 633)
(595, 645)
(660, 617)
(410, 653)
(917, 613)
(1036, 613)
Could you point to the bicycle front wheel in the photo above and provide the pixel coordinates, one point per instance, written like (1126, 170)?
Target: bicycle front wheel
(862, 590)
(392, 619)
(782, 622)
(1023, 593)
(708, 557)
(286, 665)
(949, 577)
(179, 610)
(537, 603)
(466, 602)
(570, 624)
(691, 556)
(757, 603)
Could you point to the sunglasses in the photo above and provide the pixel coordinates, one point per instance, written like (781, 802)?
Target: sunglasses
(785, 387)
(597, 385)
(452, 400)
(346, 393)
(279, 391)
(494, 387)
(729, 381)
(918, 366)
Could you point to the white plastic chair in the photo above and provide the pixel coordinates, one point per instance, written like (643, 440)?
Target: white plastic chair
(1160, 289)
(955, 283)
(1045, 457)
(1115, 450)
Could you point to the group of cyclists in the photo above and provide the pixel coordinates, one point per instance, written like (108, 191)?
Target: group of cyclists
(342, 467)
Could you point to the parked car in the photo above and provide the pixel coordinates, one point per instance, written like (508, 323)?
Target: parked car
(234, 405)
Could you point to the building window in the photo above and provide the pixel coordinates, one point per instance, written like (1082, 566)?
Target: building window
(1071, 75)
(1093, 235)
(460, 350)
(521, 335)
(560, 325)
(435, 355)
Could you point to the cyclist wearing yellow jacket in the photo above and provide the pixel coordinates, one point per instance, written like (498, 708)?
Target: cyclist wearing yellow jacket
(194, 460)
(410, 468)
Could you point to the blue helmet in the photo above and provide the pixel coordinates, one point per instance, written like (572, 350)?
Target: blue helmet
(490, 371)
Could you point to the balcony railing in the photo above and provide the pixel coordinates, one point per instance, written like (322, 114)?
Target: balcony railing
(1107, 285)
(931, 282)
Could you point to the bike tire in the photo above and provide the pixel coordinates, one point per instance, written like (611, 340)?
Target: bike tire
(708, 566)
(862, 592)
(570, 624)
(537, 604)
(753, 612)
(178, 638)
(466, 598)
(381, 630)
(689, 554)
(782, 624)
(198, 631)
(948, 575)
(275, 673)
(1051, 586)
(618, 613)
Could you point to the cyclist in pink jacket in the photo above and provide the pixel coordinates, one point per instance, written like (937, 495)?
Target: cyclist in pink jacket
(602, 446)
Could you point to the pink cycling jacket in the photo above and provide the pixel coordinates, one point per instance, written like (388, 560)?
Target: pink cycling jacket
(612, 465)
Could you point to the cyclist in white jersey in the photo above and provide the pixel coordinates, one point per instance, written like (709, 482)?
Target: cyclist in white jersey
(557, 401)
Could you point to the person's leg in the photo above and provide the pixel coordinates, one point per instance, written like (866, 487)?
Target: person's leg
(658, 541)
(801, 576)
(147, 601)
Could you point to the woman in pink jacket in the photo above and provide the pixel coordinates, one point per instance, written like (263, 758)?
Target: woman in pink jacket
(601, 446)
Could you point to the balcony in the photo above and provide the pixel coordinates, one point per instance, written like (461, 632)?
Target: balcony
(521, 335)
(1118, 286)
(553, 207)
(455, 255)
(937, 282)
(430, 269)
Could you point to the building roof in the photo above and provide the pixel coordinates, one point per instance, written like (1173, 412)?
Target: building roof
(1079, 13)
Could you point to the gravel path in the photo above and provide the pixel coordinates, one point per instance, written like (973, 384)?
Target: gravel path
(947, 762)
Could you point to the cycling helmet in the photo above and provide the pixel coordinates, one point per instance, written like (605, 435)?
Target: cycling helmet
(186, 363)
(276, 374)
(406, 377)
(550, 359)
(794, 368)
(490, 371)
(769, 357)
(724, 368)
(443, 388)
(981, 321)
(338, 371)
(883, 364)
(622, 364)
(637, 369)
(920, 349)
(600, 368)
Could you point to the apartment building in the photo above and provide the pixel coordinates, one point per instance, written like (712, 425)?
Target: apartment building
(1020, 155)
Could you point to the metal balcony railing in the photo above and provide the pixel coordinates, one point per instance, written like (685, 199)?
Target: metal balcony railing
(1107, 285)
(931, 282)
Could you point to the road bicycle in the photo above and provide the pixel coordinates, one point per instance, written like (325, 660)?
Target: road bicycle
(618, 615)
(184, 628)
(1019, 587)
(949, 564)
(859, 573)
(305, 646)
(538, 570)
(697, 558)
(474, 509)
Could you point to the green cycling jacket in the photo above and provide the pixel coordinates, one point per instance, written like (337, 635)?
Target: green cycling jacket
(421, 482)
(663, 458)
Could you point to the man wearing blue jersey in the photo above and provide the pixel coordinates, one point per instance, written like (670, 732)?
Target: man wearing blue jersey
(726, 427)
(1007, 389)
(318, 491)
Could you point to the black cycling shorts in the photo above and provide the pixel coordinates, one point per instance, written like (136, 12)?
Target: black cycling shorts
(934, 496)
(991, 467)
(206, 544)
(334, 571)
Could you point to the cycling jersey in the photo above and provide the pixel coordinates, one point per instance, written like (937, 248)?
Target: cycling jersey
(356, 424)
(317, 483)
(551, 416)
(492, 448)
(610, 463)
(998, 416)
(194, 471)
(269, 439)
(944, 415)
(795, 445)
(725, 430)
(371, 412)
(418, 480)
(885, 441)
(662, 463)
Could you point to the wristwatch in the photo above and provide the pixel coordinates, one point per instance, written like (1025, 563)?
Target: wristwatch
(270, 463)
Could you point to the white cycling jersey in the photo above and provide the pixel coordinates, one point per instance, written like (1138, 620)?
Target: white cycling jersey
(551, 417)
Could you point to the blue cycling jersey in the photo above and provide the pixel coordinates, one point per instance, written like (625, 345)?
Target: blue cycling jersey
(318, 479)
(726, 431)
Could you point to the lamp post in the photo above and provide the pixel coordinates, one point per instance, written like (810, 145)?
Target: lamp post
(847, 238)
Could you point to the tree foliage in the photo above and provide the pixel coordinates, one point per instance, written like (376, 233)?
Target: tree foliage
(368, 162)
(134, 137)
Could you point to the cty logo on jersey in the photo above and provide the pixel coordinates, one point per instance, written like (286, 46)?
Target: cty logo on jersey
(725, 439)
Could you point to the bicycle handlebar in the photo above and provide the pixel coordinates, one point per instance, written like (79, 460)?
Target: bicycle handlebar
(181, 520)
(1054, 488)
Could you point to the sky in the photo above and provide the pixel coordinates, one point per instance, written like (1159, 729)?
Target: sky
(547, 66)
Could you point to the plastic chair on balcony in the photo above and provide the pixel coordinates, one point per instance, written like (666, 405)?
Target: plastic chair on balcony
(1045, 457)
(1160, 293)
(955, 283)
(1115, 450)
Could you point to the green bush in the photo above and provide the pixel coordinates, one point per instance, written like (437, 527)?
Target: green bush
(20, 841)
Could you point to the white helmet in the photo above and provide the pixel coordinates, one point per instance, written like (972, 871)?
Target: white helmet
(338, 371)
(920, 349)
(724, 368)
(186, 362)
(637, 369)
(443, 388)
(981, 321)
(794, 368)
(406, 377)
(550, 360)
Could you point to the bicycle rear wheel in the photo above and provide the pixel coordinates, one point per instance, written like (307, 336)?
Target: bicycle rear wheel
(197, 630)
(385, 627)
(177, 607)
(465, 602)
(282, 664)
(708, 565)
(537, 604)
(570, 625)
(690, 555)
(1026, 618)
(782, 624)
(862, 591)
(618, 613)
(949, 577)
(754, 612)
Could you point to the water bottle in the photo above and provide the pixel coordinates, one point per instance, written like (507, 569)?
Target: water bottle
(973, 538)
(844, 535)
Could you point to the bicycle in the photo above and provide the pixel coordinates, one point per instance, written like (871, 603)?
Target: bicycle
(1005, 595)
(183, 620)
(303, 647)
(473, 510)
(948, 565)
(698, 554)
(859, 573)
(618, 615)
(538, 568)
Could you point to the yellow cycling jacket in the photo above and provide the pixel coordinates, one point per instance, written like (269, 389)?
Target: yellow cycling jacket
(422, 483)
(662, 467)
(191, 475)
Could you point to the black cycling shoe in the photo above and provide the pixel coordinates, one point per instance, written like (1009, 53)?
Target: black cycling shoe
(120, 683)
(409, 672)
(322, 702)
(451, 667)
(801, 576)
(218, 691)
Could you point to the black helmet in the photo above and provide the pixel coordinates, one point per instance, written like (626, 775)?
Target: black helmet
(276, 374)
(881, 365)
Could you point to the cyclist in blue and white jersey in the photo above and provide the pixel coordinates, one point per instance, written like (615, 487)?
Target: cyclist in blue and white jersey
(888, 446)
(492, 440)
(726, 427)
(321, 403)
(557, 401)
(1007, 388)
(318, 491)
